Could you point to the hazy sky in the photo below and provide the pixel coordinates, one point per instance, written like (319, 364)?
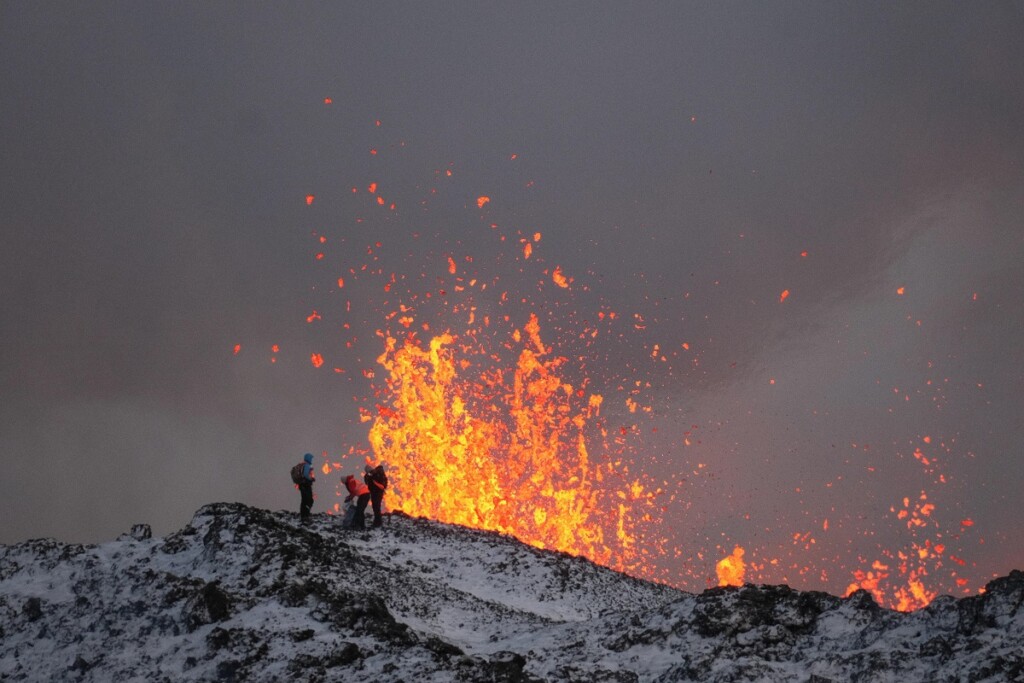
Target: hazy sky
(685, 162)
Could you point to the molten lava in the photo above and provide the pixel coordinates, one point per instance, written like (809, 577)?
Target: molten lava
(471, 448)
(731, 568)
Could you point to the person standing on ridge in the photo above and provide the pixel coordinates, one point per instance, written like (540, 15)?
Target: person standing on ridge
(306, 480)
(377, 481)
(361, 493)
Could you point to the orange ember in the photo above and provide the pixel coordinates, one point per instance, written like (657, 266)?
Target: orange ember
(503, 449)
(559, 278)
(731, 568)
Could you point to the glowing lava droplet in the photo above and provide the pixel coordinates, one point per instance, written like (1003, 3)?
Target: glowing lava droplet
(559, 278)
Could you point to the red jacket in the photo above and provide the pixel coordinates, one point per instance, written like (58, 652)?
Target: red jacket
(355, 487)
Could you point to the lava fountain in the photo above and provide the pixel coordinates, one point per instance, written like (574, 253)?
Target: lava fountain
(504, 449)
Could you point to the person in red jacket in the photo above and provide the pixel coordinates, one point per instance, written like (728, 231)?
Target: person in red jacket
(361, 492)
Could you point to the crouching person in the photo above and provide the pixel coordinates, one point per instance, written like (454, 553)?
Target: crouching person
(361, 493)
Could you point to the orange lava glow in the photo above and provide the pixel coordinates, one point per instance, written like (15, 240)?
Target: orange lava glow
(899, 582)
(731, 569)
(904, 598)
(504, 449)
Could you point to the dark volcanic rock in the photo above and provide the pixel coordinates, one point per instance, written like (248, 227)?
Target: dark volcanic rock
(208, 605)
(33, 609)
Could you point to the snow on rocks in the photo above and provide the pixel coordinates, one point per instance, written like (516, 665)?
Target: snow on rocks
(247, 594)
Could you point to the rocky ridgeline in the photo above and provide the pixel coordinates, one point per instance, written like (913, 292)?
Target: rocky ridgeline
(243, 594)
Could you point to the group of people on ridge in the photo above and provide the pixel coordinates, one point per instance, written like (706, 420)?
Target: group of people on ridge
(369, 491)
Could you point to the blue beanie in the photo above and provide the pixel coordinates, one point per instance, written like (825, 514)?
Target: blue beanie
(309, 458)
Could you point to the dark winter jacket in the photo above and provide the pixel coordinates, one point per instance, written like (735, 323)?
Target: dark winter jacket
(376, 480)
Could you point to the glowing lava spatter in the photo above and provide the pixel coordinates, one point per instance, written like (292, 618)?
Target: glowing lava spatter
(471, 448)
(731, 569)
(899, 582)
(481, 423)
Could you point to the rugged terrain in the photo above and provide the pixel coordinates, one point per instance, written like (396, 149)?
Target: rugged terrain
(243, 594)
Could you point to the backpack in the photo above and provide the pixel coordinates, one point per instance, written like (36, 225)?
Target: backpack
(297, 473)
(379, 476)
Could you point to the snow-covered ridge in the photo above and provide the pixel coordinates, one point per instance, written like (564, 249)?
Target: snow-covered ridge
(243, 594)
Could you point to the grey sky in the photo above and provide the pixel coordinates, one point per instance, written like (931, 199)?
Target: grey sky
(682, 157)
